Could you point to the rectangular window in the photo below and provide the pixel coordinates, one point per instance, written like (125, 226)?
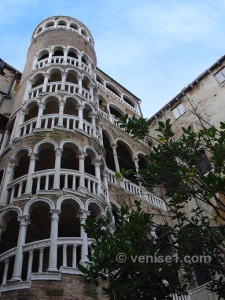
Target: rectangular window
(178, 111)
(220, 76)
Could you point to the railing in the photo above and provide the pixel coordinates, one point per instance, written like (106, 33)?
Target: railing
(42, 181)
(52, 120)
(60, 60)
(54, 87)
(115, 122)
(117, 97)
(36, 258)
(136, 190)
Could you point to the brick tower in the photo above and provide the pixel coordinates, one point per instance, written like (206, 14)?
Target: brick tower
(59, 156)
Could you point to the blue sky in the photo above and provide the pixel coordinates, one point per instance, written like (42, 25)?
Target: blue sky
(152, 47)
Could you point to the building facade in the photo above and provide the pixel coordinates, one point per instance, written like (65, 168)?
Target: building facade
(60, 150)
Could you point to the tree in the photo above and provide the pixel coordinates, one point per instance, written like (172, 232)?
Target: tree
(190, 169)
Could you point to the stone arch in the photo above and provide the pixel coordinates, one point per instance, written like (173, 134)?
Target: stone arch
(113, 89)
(88, 109)
(51, 105)
(94, 207)
(72, 75)
(129, 101)
(42, 54)
(71, 106)
(91, 155)
(31, 110)
(22, 160)
(107, 143)
(100, 79)
(74, 26)
(115, 111)
(72, 198)
(37, 79)
(46, 156)
(31, 204)
(10, 226)
(86, 82)
(61, 22)
(38, 145)
(69, 159)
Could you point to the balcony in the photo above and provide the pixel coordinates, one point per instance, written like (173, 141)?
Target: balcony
(35, 262)
(43, 181)
(137, 191)
(59, 60)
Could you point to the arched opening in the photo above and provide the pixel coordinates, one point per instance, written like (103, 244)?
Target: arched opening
(103, 104)
(10, 233)
(99, 79)
(70, 107)
(55, 76)
(69, 221)
(125, 160)
(22, 164)
(74, 26)
(38, 80)
(51, 106)
(62, 23)
(32, 111)
(95, 210)
(113, 89)
(128, 101)
(108, 153)
(39, 30)
(69, 226)
(115, 212)
(1, 176)
(38, 229)
(9, 238)
(58, 51)
(10, 127)
(69, 158)
(88, 163)
(115, 111)
(44, 54)
(86, 113)
(72, 77)
(83, 32)
(49, 24)
(86, 82)
(46, 157)
(72, 53)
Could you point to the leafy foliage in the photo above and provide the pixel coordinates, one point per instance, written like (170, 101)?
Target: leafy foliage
(191, 170)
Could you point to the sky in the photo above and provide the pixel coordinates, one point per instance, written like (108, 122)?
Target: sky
(154, 48)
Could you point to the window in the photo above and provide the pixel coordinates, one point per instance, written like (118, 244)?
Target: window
(220, 76)
(178, 111)
(204, 164)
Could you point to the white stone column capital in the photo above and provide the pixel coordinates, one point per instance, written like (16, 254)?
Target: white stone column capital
(83, 214)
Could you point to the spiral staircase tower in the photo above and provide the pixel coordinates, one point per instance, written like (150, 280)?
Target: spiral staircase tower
(59, 157)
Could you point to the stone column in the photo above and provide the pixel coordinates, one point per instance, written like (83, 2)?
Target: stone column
(28, 88)
(4, 142)
(50, 56)
(46, 78)
(135, 160)
(91, 89)
(41, 108)
(80, 78)
(65, 55)
(79, 59)
(54, 238)
(84, 250)
(114, 146)
(58, 155)
(89, 66)
(80, 116)
(105, 180)
(97, 164)
(63, 87)
(18, 263)
(34, 63)
(6, 180)
(93, 116)
(30, 173)
(61, 109)
(20, 121)
(81, 169)
(100, 127)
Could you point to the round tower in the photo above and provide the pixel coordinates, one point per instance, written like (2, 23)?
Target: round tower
(59, 161)
(55, 172)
